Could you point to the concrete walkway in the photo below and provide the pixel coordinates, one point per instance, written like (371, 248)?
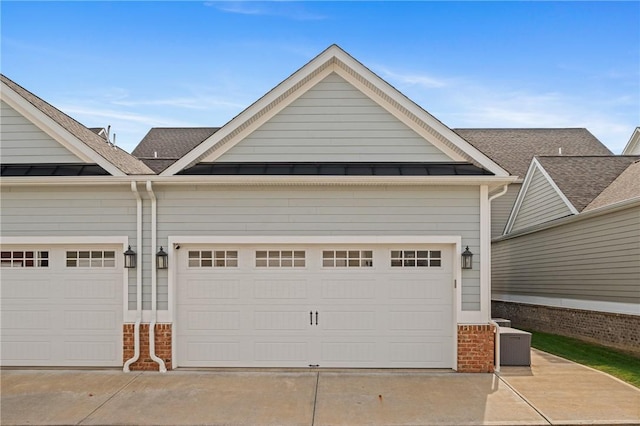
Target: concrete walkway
(553, 391)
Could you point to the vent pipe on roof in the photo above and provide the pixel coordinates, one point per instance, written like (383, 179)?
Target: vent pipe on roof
(155, 154)
(559, 151)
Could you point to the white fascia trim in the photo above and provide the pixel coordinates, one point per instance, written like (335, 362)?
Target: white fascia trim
(316, 63)
(315, 239)
(587, 305)
(533, 166)
(633, 146)
(56, 131)
(493, 181)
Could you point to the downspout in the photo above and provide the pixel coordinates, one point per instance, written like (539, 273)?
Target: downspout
(136, 327)
(496, 326)
(154, 281)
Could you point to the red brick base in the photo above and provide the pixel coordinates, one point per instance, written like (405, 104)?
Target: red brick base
(475, 348)
(162, 344)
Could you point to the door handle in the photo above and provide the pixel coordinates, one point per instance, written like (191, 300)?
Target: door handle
(311, 317)
(316, 317)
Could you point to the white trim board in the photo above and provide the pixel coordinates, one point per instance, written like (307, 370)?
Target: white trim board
(334, 59)
(587, 305)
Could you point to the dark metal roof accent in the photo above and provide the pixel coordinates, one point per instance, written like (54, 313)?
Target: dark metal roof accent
(337, 169)
(52, 170)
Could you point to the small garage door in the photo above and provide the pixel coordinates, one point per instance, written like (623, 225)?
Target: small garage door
(62, 306)
(327, 306)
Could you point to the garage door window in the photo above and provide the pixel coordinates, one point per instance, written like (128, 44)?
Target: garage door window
(25, 259)
(213, 258)
(91, 259)
(416, 258)
(347, 258)
(280, 259)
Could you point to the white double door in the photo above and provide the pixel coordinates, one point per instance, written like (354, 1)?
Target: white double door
(375, 316)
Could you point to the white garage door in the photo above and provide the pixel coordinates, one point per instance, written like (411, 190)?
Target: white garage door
(327, 306)
(61, 306)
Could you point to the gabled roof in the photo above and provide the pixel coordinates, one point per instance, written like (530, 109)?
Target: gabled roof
(163, 146)
(633, 146)
(336, 60)
(578, 181)
(80, 140)
(513, 149)
(581, 179)
(625, 187)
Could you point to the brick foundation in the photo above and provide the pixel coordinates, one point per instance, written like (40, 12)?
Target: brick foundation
(162, 344)
(475, 348)
(615, 330)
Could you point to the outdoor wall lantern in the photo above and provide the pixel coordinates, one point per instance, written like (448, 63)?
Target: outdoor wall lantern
(162, 259)
(467, 259)
(129, 258)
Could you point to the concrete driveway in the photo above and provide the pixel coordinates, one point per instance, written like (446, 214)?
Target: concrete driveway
(553, 391)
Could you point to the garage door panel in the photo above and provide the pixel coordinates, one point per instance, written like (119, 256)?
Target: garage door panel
(281, 289)
(343, 290)
(218, 288)
(90, 290)
(58, 315)
(368, 315)
(24, 317)
(213, 320)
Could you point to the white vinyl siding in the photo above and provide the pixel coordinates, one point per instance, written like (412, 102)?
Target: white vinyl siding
(333, 121)
(592, 259)
(541, 203)
(321, 211)
(24, 143)
(501, 209)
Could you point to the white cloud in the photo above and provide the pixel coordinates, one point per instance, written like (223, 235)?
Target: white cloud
(284, 9)
(422, 80)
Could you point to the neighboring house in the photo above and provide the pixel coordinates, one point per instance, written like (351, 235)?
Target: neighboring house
(322, 226)
(633, 146)
(513, 150)
(163, 146)
(569, 262)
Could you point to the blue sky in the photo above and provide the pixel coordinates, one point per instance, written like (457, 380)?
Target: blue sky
(137, 65)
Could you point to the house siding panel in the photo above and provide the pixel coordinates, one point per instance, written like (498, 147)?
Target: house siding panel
(24, 143)
(501, 209)
(541, 204)
(597, 258)
(333, 121)
(321, 211)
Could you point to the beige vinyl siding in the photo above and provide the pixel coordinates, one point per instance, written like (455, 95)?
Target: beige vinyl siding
(333, 121)
(501, 209)
(591, 259)
(25, 143)
(321, 211)
(542, 203)
(73, 211)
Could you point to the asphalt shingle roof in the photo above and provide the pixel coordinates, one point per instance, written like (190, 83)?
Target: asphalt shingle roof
(116, 156)
(582, 179)
(513, 149)
(163, 146)
(625, 187)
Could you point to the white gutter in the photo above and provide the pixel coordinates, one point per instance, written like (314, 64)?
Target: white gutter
(136, 328)
(154, 281)
(496, 340)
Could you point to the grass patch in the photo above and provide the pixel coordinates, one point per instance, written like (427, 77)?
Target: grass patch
(619, 364)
